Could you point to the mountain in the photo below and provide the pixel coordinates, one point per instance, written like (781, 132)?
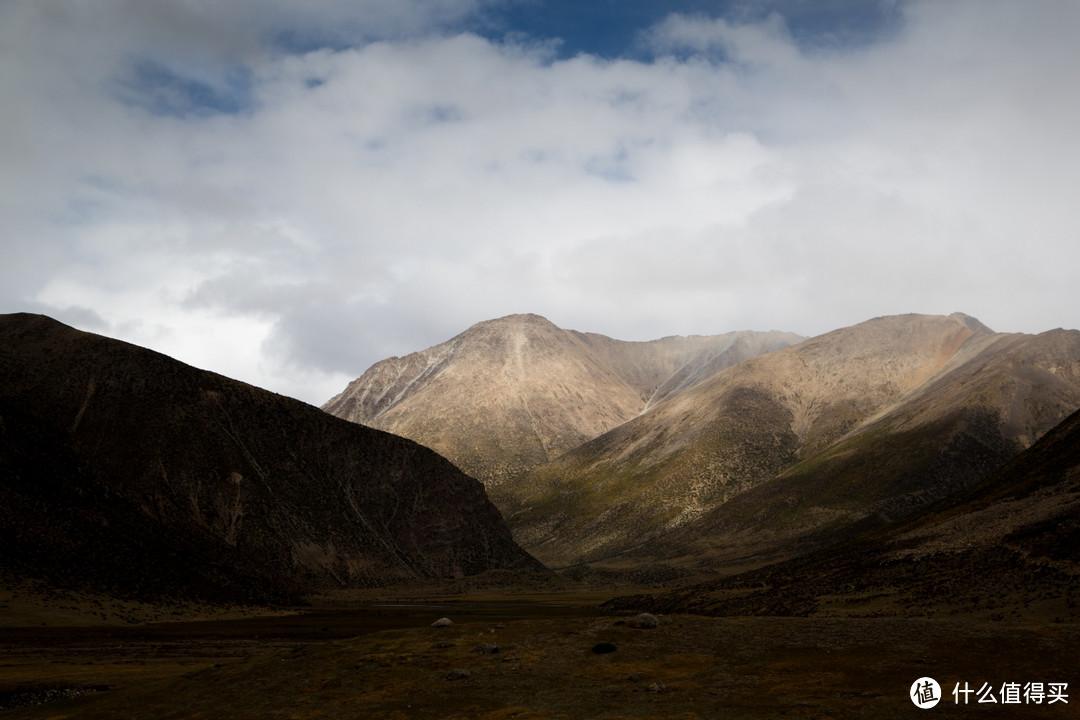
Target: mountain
(1007, 547)
(128, 471)
(509, 394)
(799, 447)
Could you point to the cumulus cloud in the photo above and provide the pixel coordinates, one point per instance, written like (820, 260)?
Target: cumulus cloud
(288, 197)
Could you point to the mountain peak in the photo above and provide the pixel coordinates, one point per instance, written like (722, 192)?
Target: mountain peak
(970, 323)
(516, 322)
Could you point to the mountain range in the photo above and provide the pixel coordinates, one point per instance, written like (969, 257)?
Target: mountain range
(726, 451)
(834, 461)
(510, 394)
(129, 472)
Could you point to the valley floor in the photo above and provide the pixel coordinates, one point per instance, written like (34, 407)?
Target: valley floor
(365, 658)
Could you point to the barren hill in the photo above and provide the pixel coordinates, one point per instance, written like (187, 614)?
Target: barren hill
(123, 469)
(1007, 547)
(795, 448)
(509, 394)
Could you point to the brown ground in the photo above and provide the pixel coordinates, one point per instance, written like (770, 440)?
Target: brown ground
(385, 661)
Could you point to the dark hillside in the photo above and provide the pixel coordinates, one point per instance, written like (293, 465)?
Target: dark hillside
(141, 461)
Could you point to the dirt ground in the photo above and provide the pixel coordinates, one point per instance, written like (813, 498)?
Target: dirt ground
(384, 660)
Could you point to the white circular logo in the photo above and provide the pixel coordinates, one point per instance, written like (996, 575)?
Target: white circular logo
(925, 692)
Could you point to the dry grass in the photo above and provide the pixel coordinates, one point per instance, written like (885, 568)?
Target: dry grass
(30, 603)
(690, 667)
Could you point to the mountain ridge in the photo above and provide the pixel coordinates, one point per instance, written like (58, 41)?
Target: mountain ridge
(790, 427)
(514, 392)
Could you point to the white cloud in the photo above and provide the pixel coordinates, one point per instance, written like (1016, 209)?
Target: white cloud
(764, 45)
(377, 198)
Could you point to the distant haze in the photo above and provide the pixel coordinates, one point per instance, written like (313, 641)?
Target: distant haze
(287, 196)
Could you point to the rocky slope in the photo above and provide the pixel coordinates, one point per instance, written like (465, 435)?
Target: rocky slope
(509, 394)
(124, 469)
(799, 447)
(1007, 547)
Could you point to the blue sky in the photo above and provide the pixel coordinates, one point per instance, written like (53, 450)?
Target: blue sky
(287, 193)
(613, 28)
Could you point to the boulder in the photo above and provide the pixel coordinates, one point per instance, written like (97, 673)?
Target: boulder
(645, 621)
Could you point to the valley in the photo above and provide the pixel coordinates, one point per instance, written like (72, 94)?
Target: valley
(812, 525)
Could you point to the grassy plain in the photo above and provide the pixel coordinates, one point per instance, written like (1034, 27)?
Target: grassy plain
(360, 655)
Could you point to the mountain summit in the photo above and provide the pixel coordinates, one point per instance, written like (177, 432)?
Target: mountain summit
(509, 394)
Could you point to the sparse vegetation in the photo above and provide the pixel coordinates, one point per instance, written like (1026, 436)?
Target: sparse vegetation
(576, 667)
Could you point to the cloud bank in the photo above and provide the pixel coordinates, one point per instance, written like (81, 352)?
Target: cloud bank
(288, 197)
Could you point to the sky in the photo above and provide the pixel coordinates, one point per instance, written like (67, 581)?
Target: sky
(286, 193)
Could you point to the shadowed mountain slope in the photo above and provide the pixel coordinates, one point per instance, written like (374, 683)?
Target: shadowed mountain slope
(123, 467)
(59, 523)
(792, 449)
(512, 393)
(1007, 547)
